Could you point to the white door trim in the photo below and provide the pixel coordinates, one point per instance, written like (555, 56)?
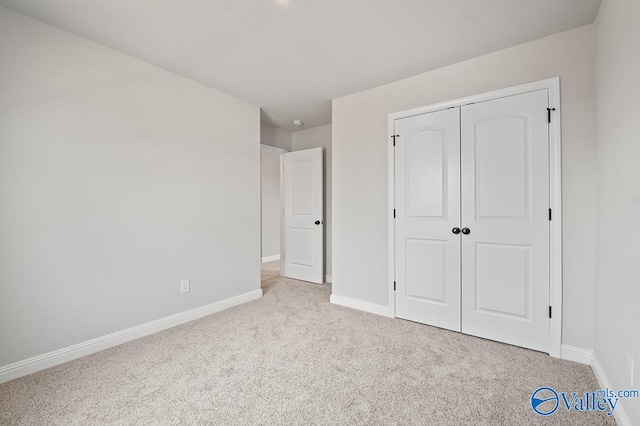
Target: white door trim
(555, 193)
(272, 149)
(279, 151)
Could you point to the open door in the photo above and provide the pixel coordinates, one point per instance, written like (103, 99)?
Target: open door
(303, 239)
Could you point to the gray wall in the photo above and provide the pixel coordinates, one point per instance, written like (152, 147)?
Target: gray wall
(271, 205)
(275, 136)
(360, 196)
(117, 180)
(618, 248)
(320, 137)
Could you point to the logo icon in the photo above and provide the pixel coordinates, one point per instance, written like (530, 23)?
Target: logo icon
(545, 401)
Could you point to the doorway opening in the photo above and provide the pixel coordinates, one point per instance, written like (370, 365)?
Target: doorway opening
(271, 210)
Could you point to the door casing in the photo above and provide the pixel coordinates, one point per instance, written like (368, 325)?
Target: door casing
(278, 151)
(555, 193)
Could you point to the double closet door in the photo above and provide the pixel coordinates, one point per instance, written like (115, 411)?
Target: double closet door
(472, 219)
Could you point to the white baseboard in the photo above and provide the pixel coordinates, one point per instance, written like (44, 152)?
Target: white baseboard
(620, 415)
(576, 354)
(270, 258)
(586, 356)
(360, 305)
(328, 279)
(41, 362)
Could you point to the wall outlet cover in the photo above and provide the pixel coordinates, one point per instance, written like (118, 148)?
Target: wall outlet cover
(185, 286)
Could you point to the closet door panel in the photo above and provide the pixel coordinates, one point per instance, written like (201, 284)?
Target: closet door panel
(505, 202)
(427, 167)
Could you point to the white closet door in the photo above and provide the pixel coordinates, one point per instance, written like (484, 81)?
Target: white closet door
(427, 164)
(303, 215)
(505, 202)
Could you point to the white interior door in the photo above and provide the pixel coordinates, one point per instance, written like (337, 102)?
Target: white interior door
(427, 164)
(505, 202)
(303, 245)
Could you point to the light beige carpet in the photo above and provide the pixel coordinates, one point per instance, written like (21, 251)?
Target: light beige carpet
(293, 358)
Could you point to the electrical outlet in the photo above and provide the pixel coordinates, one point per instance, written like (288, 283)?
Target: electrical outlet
(629, 369)
(185, 286)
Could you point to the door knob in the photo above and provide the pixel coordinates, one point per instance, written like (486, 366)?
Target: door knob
(466, 231)
(318, 222)
(456, 230)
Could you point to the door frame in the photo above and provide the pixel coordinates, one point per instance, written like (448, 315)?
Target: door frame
(555, 193)
(278, 151)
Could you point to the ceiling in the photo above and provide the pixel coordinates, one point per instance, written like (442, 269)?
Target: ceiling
(291, 57)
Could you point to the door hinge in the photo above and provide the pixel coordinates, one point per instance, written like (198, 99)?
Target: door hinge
(549, 114)
(549, 214)
(394, 139)
(394, 286)
(394, 213)
(549, 311)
